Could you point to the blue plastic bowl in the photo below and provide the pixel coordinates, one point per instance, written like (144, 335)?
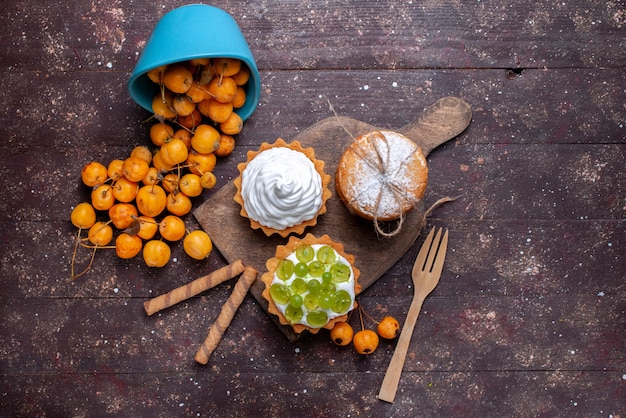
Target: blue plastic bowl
(188, 32)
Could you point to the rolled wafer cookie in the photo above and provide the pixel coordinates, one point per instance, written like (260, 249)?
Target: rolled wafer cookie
(226, 315)
(193, 288)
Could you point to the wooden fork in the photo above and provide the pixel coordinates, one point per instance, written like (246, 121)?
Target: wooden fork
(426, 273)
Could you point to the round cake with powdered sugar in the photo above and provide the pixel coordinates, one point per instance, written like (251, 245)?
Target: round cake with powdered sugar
(381, 176)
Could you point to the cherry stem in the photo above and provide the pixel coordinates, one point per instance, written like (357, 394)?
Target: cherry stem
(361, 317)
(142, 220)
(153, 116)
(182, 126)
(97, 246)
(372, 319)
(93, 255)
(75, 251)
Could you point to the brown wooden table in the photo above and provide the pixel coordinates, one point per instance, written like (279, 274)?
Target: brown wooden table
(529, 316)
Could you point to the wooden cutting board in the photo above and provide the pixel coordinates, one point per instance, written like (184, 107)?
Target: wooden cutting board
(374, 255)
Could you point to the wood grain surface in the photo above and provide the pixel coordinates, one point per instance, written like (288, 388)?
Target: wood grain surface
(528, 317)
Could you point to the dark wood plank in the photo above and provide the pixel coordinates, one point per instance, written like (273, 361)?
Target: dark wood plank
(574, 106)
(586, 185)
(354, 35)
(584, 168)
(543, 393)
(463, 345)
(528, 319)
(494, 258)
(457, 332)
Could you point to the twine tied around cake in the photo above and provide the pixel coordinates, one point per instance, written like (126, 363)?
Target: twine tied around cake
(380, 163)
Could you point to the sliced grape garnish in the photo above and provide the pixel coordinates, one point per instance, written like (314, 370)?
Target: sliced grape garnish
(280, 293)
(293, 314)
(296, 301)
(341, 301)
(284, 270)
(316, 268)
(326, 254)
(327, 288)
(314, 285)
(298, 286)
(305, 253)
(311, 301)
(309, 292)
(340, 272)
(301, 269)
(317, 318)
(326, 300)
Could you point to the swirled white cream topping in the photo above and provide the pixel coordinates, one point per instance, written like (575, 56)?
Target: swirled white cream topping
(281, 188)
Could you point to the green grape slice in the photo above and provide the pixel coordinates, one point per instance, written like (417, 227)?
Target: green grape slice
(327, 277)
(296, 301)
(316, 268)
(298, 286)
(311, 301)
(317, 318)
(341, 302)
(327, 288)
(293, 314)
(305, 253)
(279, 293)
(301, 269)
(284, 269)
(314, 285)
(325, 300)
(340, 272)
(326, 254)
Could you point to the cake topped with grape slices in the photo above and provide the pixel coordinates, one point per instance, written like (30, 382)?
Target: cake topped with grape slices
(311, 283)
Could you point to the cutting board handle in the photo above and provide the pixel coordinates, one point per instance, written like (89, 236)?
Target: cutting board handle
(438, 123)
